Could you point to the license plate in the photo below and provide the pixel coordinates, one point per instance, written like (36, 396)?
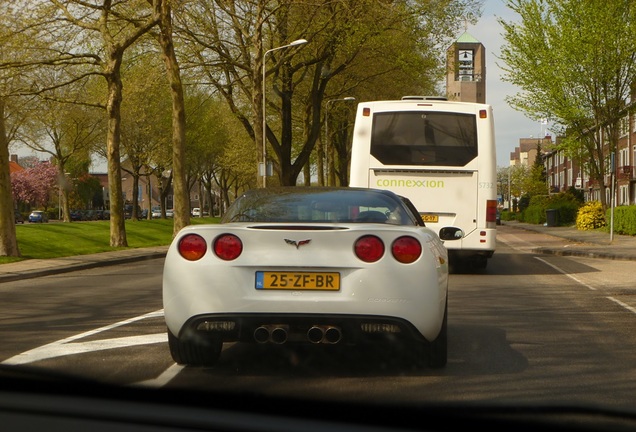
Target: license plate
(432, 218)
(329, 281)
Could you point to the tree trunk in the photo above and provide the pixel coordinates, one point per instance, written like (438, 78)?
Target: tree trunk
(180, 189)
(116, 196)
(8, 240)
(63, 185)
(134, 214)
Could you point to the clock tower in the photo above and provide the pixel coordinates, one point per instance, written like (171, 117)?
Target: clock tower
(466, 70)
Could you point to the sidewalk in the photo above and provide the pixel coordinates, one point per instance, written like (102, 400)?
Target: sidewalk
(33, 268)
(592, 244)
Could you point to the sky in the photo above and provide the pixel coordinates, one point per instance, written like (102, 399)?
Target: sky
(510, 125)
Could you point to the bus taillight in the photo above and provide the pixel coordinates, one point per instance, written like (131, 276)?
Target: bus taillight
(491, 211)
(483, 114)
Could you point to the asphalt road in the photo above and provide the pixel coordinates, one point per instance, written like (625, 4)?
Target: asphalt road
(532, 328)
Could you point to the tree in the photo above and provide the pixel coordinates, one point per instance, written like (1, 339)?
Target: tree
(338, 144)
(229, 41)
(8, 240)
(575, 64)
(66, 131)
(88, 190)
(145, 118)
(163, 12)
(518, 180)
(76, 40)
(12, 43)
(34, 185)
(207, 136)
(537, 181)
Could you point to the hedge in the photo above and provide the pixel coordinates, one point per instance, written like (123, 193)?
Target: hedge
(624, 219)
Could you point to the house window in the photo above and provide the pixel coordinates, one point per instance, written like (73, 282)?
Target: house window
(623, 157)
(624, 126)
(624, 195)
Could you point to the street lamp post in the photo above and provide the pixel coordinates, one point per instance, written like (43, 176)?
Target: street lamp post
(326, 144)
(294, 43)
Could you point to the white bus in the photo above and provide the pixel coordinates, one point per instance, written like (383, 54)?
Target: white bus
(441, 155)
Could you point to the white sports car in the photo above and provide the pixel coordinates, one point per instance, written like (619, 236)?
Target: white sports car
(308, 265)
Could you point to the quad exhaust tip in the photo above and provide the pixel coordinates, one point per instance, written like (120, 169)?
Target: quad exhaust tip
(324, 334)
(271, 333)
(279, 333)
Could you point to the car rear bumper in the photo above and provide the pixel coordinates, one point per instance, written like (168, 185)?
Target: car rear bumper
(302, 328)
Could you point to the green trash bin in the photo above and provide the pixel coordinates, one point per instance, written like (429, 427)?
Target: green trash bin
(551, 217)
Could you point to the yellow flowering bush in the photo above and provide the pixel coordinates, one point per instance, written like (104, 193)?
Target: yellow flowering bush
(590, 216)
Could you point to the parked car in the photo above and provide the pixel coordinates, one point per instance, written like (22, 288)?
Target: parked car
(76, 215)
(38, 216)
(90, 215)
(335, 249)
(18, 217)
(128, 210)
(196, 211)
(170, 213)
(156, 212)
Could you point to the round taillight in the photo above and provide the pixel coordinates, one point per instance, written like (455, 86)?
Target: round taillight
(192, 247)
(369, 248)
(228, 247)
(406, 249)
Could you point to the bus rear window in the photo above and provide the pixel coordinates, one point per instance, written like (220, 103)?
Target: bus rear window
(424, 138)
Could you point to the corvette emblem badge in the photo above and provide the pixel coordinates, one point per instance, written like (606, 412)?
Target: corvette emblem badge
(297, 243)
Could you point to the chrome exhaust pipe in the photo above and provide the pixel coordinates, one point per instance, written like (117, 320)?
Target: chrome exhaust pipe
(278, 335)
(261, 334)
(315, 334)
(332, 335)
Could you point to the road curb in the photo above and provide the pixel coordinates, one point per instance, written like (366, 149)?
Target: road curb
(582, 253)
(84, 265)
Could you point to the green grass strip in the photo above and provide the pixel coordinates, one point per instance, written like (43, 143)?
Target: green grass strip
(55, 240)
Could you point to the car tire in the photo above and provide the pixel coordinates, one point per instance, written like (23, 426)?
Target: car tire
(438, 349)
(195, 349)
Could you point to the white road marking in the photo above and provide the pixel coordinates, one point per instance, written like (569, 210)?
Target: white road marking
(163, 379)
(566, 273)
(65, 346)
(615, 300)
(626, 306)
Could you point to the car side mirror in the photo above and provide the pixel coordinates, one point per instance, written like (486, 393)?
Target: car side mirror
(451, 233)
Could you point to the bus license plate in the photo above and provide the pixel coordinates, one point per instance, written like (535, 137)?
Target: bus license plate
(432, 218)
(329, 281)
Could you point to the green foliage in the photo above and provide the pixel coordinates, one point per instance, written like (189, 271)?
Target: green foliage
(624, 220)
(534, 215)
(565, 204)
(566, 212)
(507, 215)
(574, 64)
(524, 202)
(590, 216)
(577, 194)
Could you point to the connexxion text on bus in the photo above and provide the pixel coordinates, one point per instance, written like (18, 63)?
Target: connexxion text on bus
(441, 155)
